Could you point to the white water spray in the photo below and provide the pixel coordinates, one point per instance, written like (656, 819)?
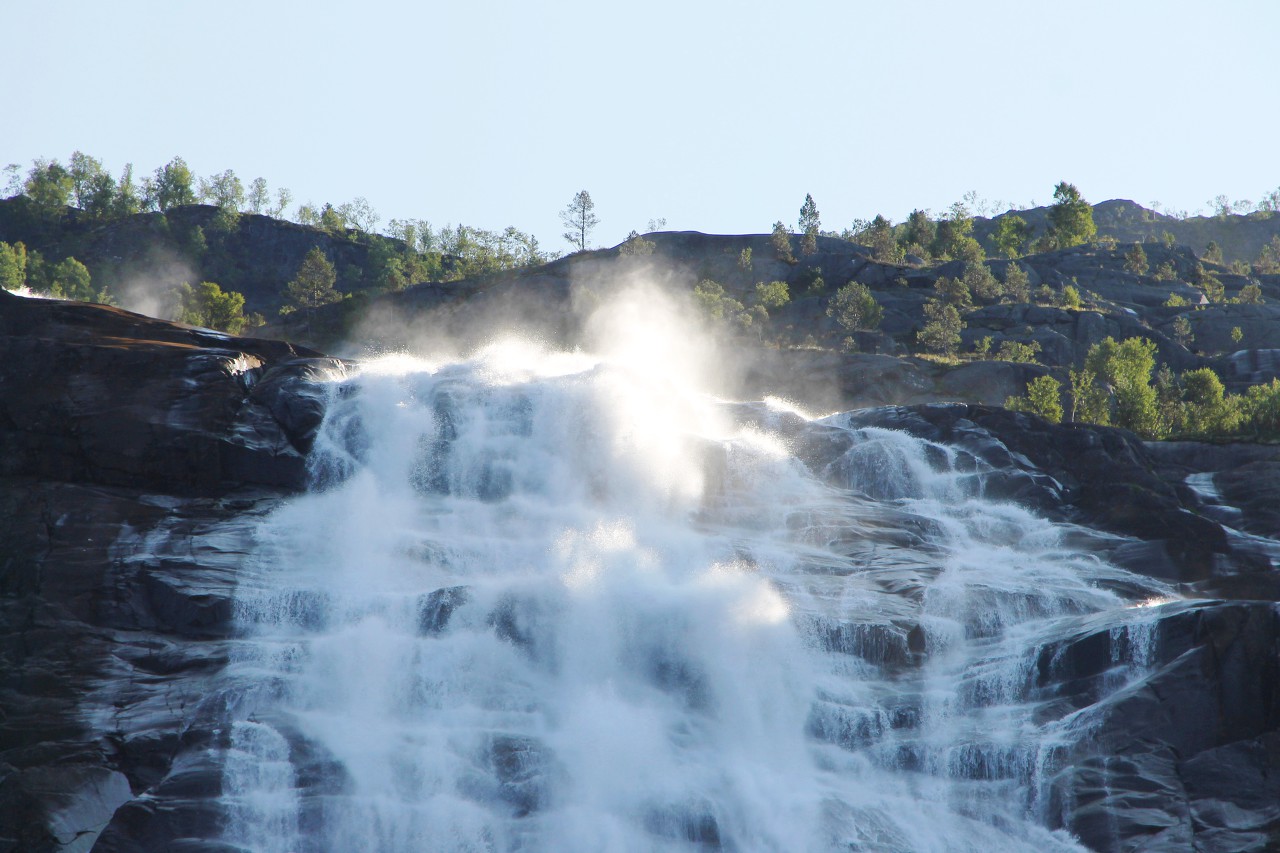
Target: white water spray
(553, 602)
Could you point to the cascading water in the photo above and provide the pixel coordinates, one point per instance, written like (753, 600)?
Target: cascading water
(546, 602)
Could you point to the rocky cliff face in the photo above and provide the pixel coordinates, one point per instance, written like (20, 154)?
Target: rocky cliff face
(137, 455)
(132, 455)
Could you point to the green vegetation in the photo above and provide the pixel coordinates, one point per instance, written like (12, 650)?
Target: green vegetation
(1135, 260)
(1017, 351)
(716, 304)
(1017, 284)
(953, 238)
(781, 241)
(1070, 217)
(1071, 298)
(1011, 235)
(636, 245)
(773, 294)
(954, 291)
(208, 306)
(1044, 398)
(855, 308)
(13, 266)
(941, 331)
(884, 246)
(579, 219)
(313, 286)
(1182, 330)
(810, 224)
(1251, 294)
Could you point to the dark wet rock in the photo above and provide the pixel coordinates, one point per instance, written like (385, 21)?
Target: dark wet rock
(98, 395)
(134, 456)
(137, 456)
(437, 608)
(1184, 755)
(1097, 476)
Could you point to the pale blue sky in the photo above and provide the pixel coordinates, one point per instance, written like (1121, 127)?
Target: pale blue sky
(718, 116)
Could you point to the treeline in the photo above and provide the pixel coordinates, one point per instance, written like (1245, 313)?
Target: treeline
(52, 200)
(923, 240)
(1119, 385)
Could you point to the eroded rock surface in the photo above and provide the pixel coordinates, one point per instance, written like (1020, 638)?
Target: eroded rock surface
(134, 457)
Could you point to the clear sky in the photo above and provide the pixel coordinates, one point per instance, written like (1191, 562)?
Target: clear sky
(718, 116)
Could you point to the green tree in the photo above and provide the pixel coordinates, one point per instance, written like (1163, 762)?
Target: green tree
(13, 266)
(13, 183)
(331, 220)
(223, 190)
(781, 241)
(69, 279)
(1237, 334)
(773, 294)
(1213, 288)
(126, 201)
(854, 307)
(1125, 369)
(258, 198)
(954, 291)
(1268, 262)
(810, 225)
(579, 219)
(1261, 408)
(637, 245)
(1011, 234)
(941, 331)
(385, 265)
(313, 285)
(981, 283)
(884, 247)
(1018, 352)
(1207, 410)
(1071, 298)
(718, 305)
(1251, 294)
(1090, 402)
(1182, 330)
(918, 234)
(1135, 260)
(1017, 284)
(92, 187)
(359, 214)
(49, 187)
(1044, 398)
(953, 237)
(172, 186)
(283, 197)
(1212, 253)
(208, 306)
(1070, 217)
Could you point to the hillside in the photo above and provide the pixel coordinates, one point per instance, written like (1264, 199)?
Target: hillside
(979, 331)
(800, 344)
(1239, 236)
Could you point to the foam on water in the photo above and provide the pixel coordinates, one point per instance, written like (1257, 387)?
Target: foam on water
(543, 601)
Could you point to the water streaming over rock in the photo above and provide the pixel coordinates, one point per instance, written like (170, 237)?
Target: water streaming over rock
(547, 602)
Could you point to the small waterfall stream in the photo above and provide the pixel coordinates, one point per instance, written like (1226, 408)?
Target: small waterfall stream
(547, 602)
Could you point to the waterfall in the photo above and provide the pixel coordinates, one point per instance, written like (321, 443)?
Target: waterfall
(553, 602)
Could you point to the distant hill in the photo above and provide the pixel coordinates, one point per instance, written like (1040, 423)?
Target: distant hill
(1240, 237)
(139, 257)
